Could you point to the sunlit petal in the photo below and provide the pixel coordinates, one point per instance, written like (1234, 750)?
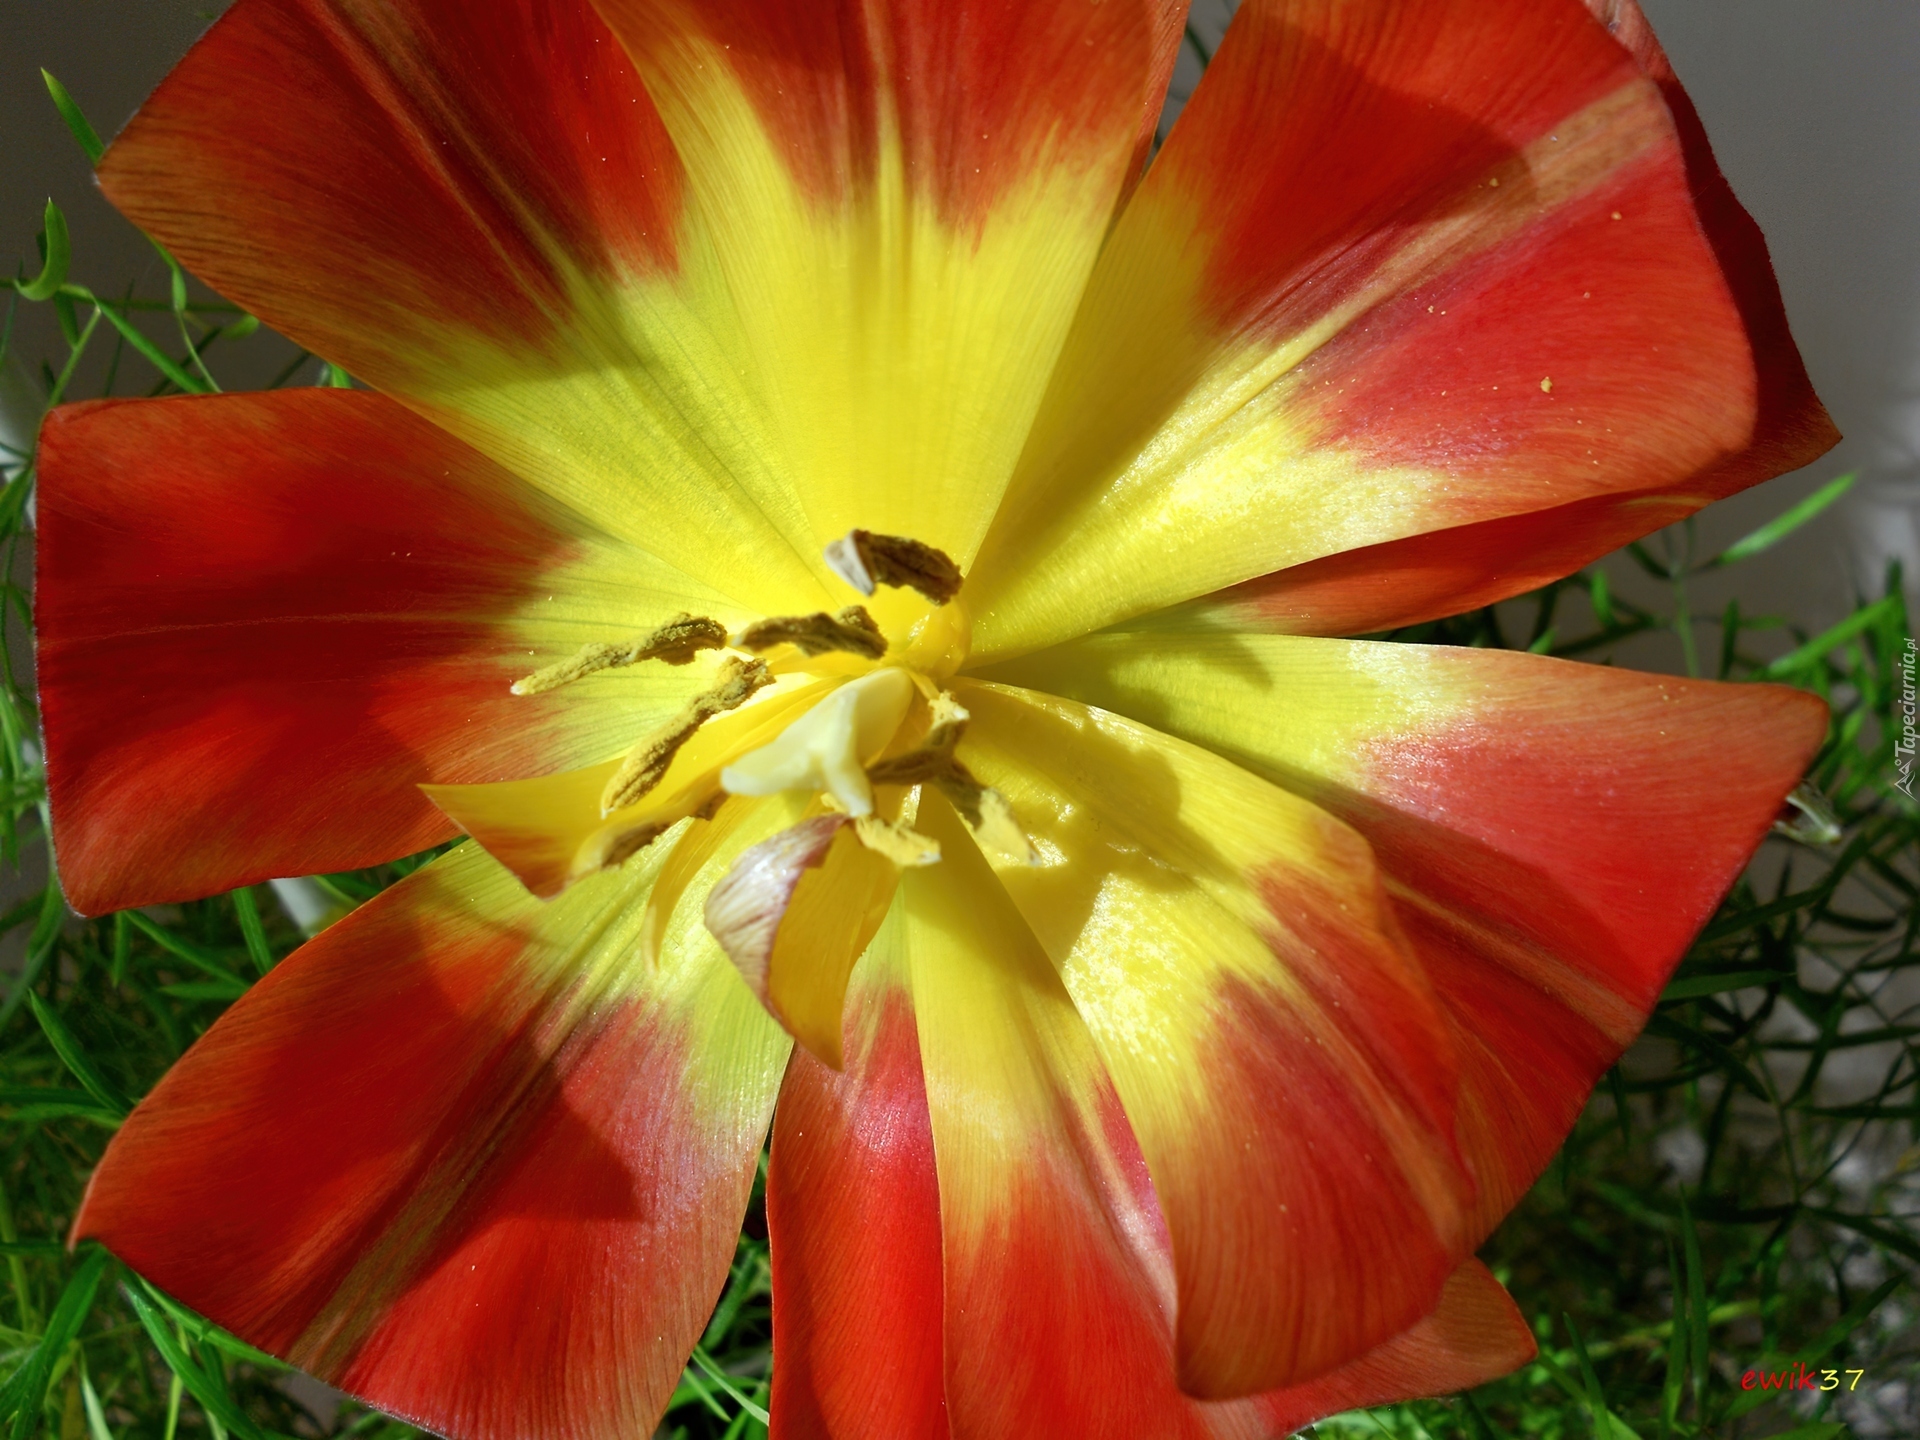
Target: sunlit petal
(387, 1159)
(1280, 1054)
(265, 619)
(1551, 835)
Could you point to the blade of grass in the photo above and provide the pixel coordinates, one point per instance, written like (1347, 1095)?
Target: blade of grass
(1831, 639)
(96, 1413)
(250, 927)
(1696, 1306)
(205, 1332)
(1695, 986)
(1673, 1383)
(1477, 1422)
(212, 1396)
(25, 1395)
(58, 258)
(46, 930)
(720, 1378)
(122, 949)
(24, 1308)
(76, 1059)
(181, 948)
(149, 351)
(84, 133)
(1777, 529)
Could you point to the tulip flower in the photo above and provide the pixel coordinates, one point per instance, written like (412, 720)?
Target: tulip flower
(863, 555)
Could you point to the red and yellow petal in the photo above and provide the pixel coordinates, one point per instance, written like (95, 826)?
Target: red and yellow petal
(904, 200)
(1791, 427)
(853, 1218)
(1444, 572)
(1059, 1282)
(263, 619)
(1283, 1060)
(462, 1156)
(1463, 280)
(1403, 582)
(1052, 1324)
(1551, 835)
(1476, 1334)
(471, 204)
(682, 330)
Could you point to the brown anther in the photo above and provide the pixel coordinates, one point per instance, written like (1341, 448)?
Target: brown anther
(675, 642)
(622, 846)
(646, 764)
(852, 630)
(866, 561)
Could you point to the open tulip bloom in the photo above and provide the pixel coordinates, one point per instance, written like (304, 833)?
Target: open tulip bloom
(862, 555)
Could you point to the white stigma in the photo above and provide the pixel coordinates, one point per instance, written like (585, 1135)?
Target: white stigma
(829, 747)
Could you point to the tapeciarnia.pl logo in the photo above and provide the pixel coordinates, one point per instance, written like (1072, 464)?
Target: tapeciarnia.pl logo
(1903, 743)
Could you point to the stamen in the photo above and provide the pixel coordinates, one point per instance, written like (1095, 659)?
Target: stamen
(902, 844)
(853, 629)
(675, 642)
(988, 815)
(646, 764)
(865, 561)
(935, 752)
(984, 809)
(609, 850)
(825, 748)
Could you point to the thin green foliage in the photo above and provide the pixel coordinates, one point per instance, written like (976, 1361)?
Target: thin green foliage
(1735, 1209)
(1735, 1200)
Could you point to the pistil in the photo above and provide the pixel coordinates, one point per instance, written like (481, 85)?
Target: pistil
(829, 747)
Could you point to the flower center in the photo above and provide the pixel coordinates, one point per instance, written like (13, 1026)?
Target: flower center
(864, 755)
(915, 636)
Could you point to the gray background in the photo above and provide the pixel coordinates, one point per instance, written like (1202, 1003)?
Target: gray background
(1813, 106)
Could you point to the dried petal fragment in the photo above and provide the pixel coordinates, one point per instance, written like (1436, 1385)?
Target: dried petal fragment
(647, 762)
(745, 909)
(794, 914)
(867, 561)
(675, 642)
